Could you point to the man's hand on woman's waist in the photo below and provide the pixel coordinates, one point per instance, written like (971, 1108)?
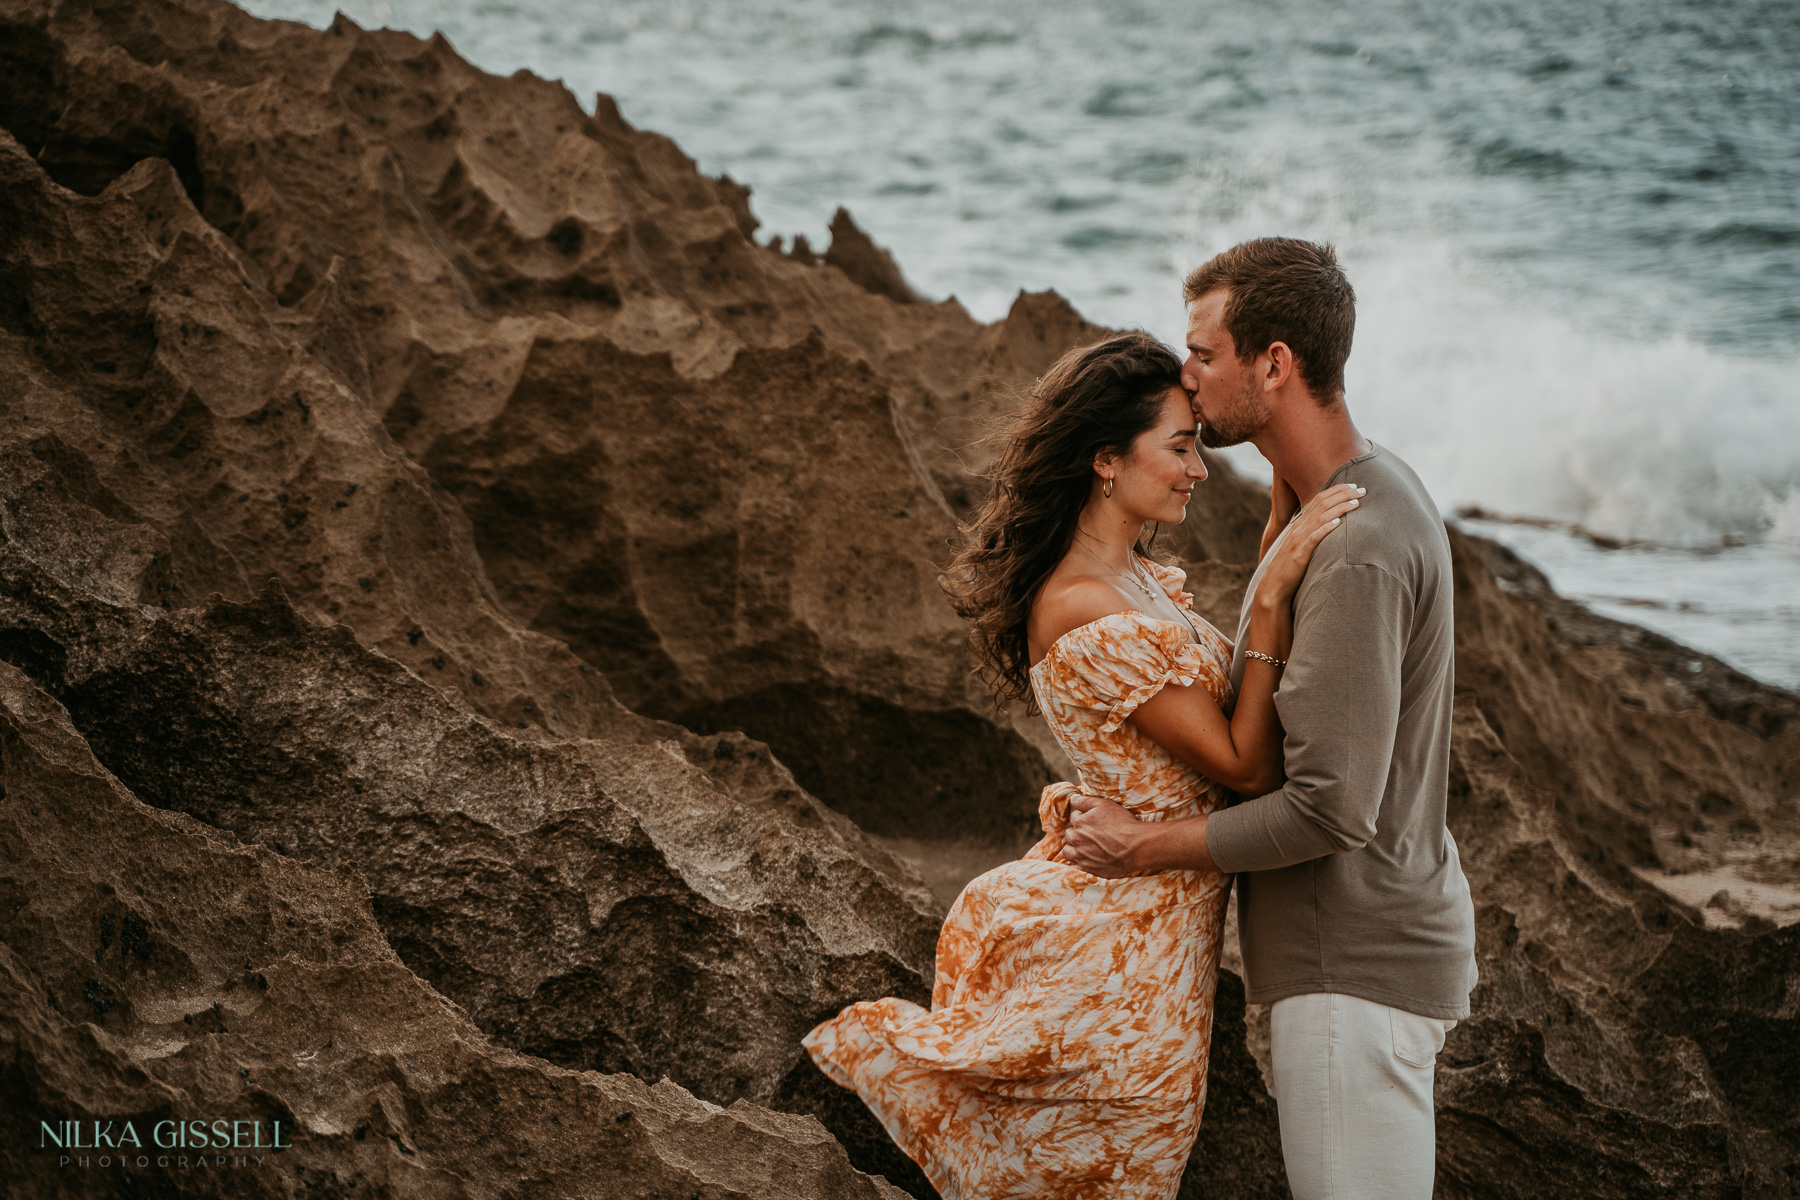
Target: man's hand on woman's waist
(1104, 839)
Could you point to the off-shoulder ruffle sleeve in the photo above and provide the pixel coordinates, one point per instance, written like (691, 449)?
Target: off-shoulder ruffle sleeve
(1116, 663)
(1173, 581)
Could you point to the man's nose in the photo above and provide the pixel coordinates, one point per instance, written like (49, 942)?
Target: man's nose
(1190, 377)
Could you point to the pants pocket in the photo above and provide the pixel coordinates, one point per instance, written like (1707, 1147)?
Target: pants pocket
(1417, 1039)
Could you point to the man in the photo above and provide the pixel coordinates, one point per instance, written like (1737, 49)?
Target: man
(1353, 913)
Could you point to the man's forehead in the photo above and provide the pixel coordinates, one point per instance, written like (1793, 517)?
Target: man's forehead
(1205, 313)
(1206, 310)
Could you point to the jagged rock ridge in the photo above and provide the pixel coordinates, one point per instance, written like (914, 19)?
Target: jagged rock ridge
(537, 880)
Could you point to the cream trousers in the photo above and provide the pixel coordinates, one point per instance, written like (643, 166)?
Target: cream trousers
(1353, 1089)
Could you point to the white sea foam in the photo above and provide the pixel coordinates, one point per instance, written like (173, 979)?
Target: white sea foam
(1784, 522)
(1523, 412)
(1502, 398)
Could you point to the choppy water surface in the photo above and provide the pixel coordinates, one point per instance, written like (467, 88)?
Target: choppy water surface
(1740, 604)
(1573, 227)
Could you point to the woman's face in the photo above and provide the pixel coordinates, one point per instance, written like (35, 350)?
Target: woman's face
(1156, 479)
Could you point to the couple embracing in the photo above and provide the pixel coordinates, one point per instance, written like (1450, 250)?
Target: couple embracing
(1065, 1051)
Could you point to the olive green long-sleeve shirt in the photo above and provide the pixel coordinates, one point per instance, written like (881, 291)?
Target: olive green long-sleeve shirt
(1348, 880)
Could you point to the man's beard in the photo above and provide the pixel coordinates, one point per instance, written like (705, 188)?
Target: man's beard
(1242, 419)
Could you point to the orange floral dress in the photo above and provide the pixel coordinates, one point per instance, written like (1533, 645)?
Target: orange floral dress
(1065, 1051)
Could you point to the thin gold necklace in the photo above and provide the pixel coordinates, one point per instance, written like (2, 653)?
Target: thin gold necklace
(1137, 576)
(1131, 574)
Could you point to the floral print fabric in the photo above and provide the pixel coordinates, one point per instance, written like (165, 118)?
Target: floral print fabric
(1065, 1051)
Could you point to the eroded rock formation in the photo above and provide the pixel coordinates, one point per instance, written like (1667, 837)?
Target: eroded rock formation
(1621, 1037)
(156, 971)
(404, 470)
(539, 880)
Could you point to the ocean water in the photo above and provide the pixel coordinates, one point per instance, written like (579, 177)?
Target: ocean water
(1574, 227)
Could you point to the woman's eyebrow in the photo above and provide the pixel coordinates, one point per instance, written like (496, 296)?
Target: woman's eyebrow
(1185, 433)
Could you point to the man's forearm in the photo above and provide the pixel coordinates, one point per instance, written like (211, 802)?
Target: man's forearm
(1278, 830)
(1173, 846)
(1339, 704)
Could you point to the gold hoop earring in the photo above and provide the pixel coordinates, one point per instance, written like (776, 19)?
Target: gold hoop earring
(1106, 487)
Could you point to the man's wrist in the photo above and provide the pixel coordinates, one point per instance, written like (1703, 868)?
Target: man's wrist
(1149, 848)
(1138, 850)
(1178, 845)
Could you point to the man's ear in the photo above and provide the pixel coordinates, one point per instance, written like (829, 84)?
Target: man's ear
(1281, 366)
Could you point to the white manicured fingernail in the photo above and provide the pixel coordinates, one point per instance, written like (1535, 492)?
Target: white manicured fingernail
(1335, 520)
(1354, 503)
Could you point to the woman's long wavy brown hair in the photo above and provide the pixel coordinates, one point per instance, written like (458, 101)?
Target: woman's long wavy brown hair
(1095, 398)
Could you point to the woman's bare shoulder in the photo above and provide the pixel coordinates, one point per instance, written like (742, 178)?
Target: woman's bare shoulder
(1068, 603)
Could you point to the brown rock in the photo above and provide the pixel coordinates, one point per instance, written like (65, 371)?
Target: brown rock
(567, 324)
(544, 887)
(154, 969)
(869, 266)
(1620, 1037)
(632, 842)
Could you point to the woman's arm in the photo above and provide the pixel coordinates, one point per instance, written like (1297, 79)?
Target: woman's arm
(1282, 504)
(1244, 752)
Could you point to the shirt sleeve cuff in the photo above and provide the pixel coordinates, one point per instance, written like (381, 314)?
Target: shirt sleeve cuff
(1262, 834)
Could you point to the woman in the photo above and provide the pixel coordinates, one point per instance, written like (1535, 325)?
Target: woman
(1065, 1051)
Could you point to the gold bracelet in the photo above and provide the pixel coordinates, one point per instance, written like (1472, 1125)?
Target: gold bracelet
(1278, 662)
